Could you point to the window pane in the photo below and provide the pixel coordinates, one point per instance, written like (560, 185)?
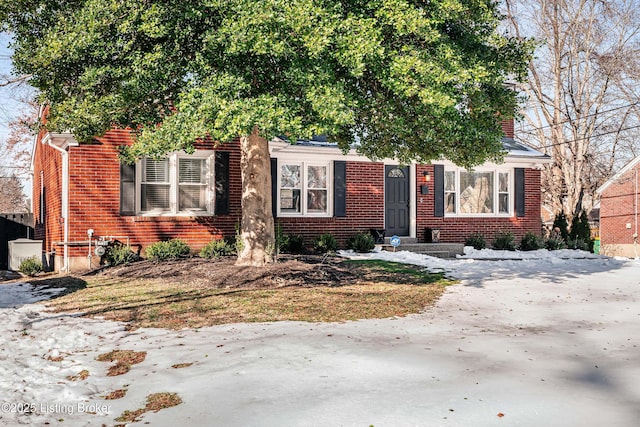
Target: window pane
(290, 176)
(192, 171)
(503, 201)
(290, 200)
(155, 170)
(477, 196)
(192, 197)
(449, 181)
(450, 202)
(503, 187)
(317, 200)
(154, 197)
(317, 177)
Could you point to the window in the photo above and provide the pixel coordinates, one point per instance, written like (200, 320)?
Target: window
(304, 188)
(477, 193)
(180, 183)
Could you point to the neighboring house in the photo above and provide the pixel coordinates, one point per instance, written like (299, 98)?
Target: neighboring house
(83, 193)
(619, 198)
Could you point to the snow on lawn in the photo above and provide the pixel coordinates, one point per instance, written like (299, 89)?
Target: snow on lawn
(548, 339)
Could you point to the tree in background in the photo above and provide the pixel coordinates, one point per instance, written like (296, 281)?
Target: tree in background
(410, 80)
(12, 199)
(583, 94)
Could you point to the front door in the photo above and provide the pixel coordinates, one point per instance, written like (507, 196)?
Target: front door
(396, 200)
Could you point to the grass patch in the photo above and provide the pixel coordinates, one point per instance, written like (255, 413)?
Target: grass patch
(155, 402)
(115, 394)
(82, 375)
(124, 360)
(372, 289)
(181, 365)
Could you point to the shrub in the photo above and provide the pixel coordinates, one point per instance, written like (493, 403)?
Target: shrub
(554, 243)
(289, 243)
(561, 226)
(531, 242)
(325, 243)
(172, 249)
(118, 254)
(361, 242)
(580, 245)
(580, 235)
(504, 241)
(31, 266)
(217, 248)
(476, 240)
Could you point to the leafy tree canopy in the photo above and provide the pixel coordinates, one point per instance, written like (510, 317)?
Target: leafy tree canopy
(414, 80)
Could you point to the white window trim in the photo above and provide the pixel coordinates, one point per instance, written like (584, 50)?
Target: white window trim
(304, 164)
(209, 156)
(496, 183)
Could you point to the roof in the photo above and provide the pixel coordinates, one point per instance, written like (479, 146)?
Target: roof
(629, 166)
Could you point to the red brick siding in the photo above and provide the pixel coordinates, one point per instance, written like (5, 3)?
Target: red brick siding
(95, 200)
(617, 209)
(457, 229)
(365, 207)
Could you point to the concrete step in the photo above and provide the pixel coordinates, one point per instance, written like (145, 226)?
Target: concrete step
(440, 250)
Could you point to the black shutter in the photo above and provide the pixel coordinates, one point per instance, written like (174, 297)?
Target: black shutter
(519, 196)
(339, 188)
(438, 190)
(274, 187)
(222, 183)
(127, 189)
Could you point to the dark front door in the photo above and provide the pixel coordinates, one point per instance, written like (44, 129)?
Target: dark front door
(396, 200)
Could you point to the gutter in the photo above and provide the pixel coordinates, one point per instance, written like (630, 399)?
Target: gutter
(61, 142)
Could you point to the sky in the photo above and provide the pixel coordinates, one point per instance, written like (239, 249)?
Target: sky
(10, 107)
(543, 338)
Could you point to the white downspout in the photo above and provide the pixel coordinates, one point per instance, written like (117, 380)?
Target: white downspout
(64, 201)
(635, 213)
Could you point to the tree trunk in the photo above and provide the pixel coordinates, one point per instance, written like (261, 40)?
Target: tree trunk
(257, 246)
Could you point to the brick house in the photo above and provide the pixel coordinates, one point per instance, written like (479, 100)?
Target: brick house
(82, 194)
(619, 198)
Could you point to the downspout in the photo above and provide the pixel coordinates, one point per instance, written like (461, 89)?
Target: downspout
(64, 203)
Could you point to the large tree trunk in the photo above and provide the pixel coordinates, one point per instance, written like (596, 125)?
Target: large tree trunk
(257, 230)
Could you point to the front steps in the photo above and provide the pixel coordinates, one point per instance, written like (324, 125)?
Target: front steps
(440, 250)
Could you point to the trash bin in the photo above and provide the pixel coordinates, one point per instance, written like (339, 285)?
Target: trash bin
(22, 249)
(596, 246)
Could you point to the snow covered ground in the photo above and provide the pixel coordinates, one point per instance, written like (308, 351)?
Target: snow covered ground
(550, 339)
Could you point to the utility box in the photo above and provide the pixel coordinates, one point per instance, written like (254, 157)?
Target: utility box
(22, 249)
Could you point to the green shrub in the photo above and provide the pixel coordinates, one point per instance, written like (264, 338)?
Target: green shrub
(580, 234)
(504, 241)
(325, 243)
(560, 225)
(361, 242)
(531, 242)
(289, 243)
(31, 266)
(172, 249)
(118, 254)
(580, 244)
(217, 248)
(554, 243)
(476, 240)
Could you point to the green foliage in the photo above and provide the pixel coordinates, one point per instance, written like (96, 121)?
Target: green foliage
(361, 242)
(375, 71)
(118, 254)
(555, 243)
(217, 248)
(531, 242)
(504, 241)
(560, 225)
(477, 240)
(580, 234)
(325, 243)
(289, 243)
(31, 266)
(171, 249)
